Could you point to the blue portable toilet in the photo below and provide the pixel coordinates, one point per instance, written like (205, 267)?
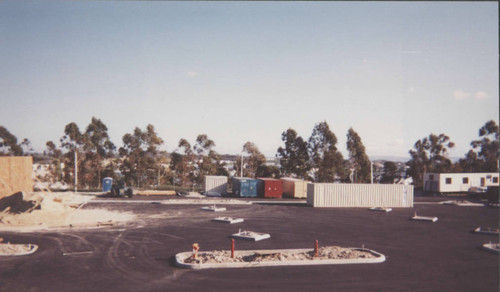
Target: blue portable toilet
(107, 182)
(245, 187)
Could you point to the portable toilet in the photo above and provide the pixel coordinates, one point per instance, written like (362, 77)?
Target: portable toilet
(245, 187)
(107, 182)
(270, 187)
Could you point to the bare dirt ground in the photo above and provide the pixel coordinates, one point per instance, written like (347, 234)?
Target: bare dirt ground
(54, 210)
(138, 255)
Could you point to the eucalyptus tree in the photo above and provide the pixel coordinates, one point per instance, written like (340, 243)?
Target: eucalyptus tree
(327, 162)
(140, 154)
(90, 149)
(72, 144)
(8, 143)
(294, 158)
(429, 154)
(390, 172)
(252, 162)
(358, 159)
(55, 170)
(97, 147)
(487, 147)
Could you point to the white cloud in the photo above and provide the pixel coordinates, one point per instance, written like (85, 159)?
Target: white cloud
(411, 89)
(461, 95)
(192, 74)
(396, 143)
(481, 95)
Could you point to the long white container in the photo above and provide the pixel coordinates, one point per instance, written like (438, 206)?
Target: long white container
(215, 183)
(359, 195)
(294, 187)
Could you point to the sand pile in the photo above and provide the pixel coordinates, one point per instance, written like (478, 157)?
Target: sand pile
(324, 253)
(49, 210)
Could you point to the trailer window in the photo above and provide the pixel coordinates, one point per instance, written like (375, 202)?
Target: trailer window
(465, 180)
(448, 180)
(495, 179)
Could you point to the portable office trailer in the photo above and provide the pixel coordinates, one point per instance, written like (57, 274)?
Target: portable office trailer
(245, 187)
(215, 183)
(459, 182)
(270, 187)
(359, 195)
(294, 187)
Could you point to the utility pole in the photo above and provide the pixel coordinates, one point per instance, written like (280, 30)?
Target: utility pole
(371, 169)
(76, 171)
(241, 169)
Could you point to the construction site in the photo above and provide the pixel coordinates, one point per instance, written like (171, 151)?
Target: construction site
(154, 241)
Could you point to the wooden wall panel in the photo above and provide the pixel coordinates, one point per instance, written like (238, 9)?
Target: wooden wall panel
(15, 175)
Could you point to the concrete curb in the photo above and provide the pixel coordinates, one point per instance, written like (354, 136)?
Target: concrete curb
(487, 230)
(425, 218)
(180, 257)
(492, 247)
(172, 202)
(33, 249)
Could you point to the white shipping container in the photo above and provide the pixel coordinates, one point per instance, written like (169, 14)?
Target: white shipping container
(359, 195)
(294, 187)
(214, 183)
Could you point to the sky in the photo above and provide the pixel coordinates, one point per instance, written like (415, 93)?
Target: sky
(247, 71)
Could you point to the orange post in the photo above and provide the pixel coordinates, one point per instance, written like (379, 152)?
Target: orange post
(316, 248)
(196, 248)
(232, 248)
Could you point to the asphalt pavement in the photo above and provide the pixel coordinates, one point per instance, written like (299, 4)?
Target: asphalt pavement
(139, 255)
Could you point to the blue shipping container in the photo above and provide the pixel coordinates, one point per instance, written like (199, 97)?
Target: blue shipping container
(107, 182)
(245, 187)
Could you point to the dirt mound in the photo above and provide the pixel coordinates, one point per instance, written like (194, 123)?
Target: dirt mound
(19, 203)
(48, 210)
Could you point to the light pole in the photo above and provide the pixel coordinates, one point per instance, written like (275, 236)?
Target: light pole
(76, 172)
(371, 169)
(241, 168)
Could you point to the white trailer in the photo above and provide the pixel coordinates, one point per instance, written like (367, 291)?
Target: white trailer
(459, 182)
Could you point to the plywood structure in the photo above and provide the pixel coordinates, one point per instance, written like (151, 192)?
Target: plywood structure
(15, 175)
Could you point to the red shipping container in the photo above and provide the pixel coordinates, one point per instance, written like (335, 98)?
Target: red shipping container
(270, 187)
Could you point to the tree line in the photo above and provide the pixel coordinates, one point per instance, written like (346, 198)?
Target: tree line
(141, 163)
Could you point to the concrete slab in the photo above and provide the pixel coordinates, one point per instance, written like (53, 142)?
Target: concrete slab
(213, 209)
(251, 235)
(229, 220)
(493, 247)
(381, 209)
(424, 218)
(462, 203)
(487, 230)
